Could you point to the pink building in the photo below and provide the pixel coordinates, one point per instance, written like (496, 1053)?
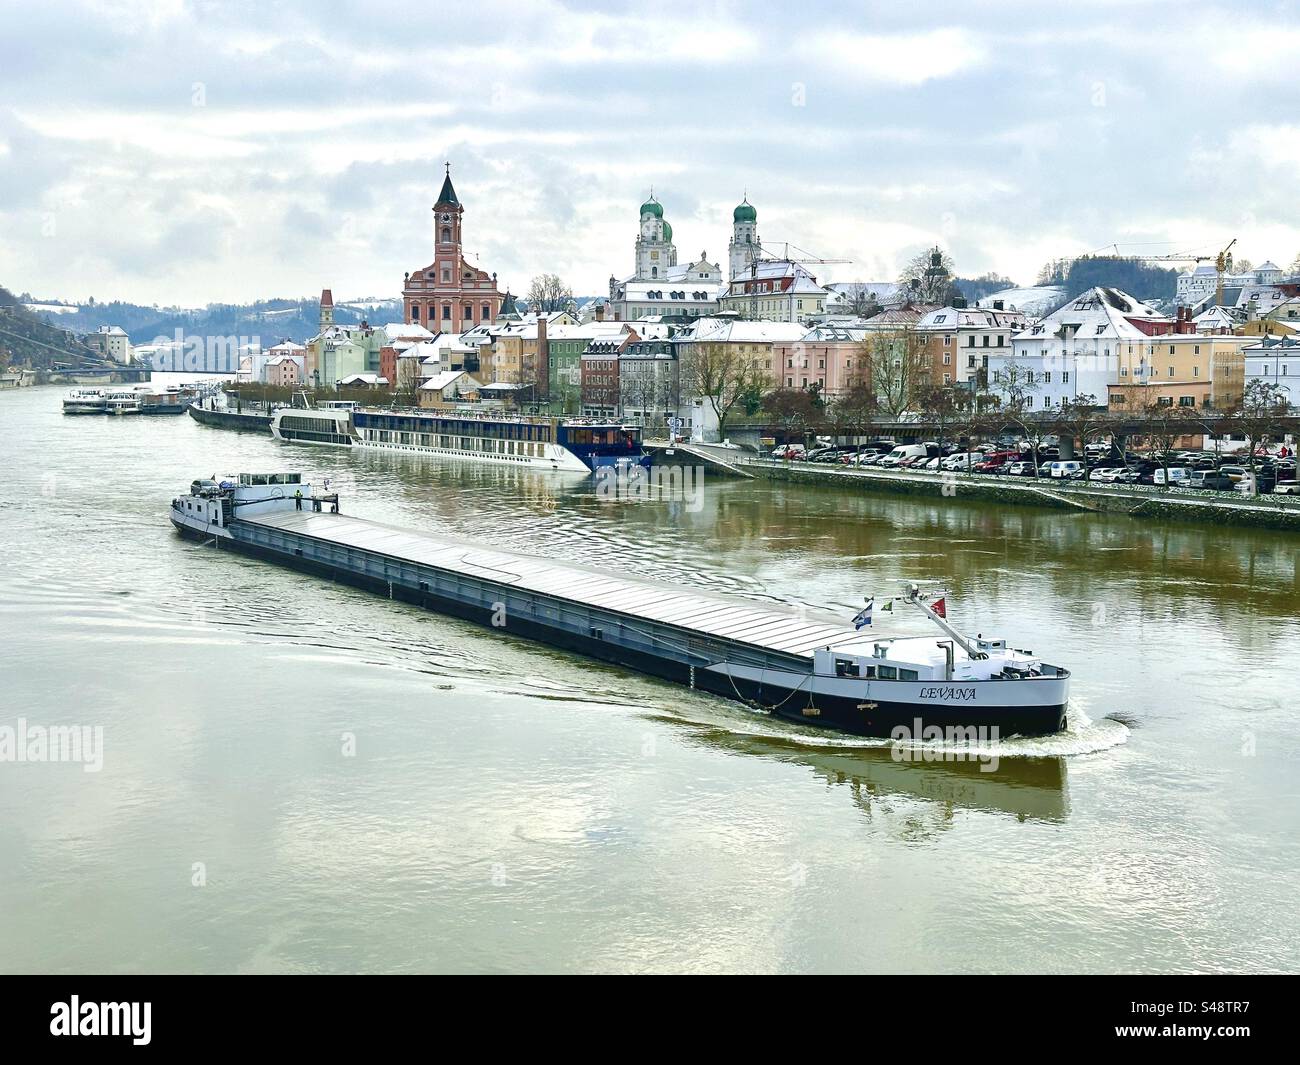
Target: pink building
(450, 295)
(829, 356)
(285, 371)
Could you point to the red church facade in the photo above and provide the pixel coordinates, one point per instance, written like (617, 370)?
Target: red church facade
(450, 295)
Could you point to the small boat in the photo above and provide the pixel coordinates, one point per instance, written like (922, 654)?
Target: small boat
(85, 401)
(122, 401)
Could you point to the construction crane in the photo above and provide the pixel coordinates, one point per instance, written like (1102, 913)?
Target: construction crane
(765, 256)
(1222, 263)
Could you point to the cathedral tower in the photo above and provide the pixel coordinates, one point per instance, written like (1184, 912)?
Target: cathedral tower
(655, 252)
(745, 246)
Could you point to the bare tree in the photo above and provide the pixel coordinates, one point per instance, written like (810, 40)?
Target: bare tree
(1018, 385)
(854, 411)
(1258, 417)
(724, 376)
(898, 367)
(1164, 423)
(945, 409)
(547, 293)
(1079, 419)
(796, 410)
(928, 276)
(860, 301)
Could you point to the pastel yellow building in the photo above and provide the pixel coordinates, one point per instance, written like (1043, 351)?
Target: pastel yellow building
(1187, 358)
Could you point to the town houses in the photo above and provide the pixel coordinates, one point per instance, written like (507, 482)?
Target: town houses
(665, 335)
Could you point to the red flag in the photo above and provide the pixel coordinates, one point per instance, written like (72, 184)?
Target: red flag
(939, 608)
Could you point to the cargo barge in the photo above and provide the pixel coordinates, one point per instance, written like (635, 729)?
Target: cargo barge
(229, 419)
(814, 670)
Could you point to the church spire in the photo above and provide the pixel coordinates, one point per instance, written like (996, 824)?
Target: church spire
(448, 194)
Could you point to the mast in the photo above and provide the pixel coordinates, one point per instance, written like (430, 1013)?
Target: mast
(914, 597)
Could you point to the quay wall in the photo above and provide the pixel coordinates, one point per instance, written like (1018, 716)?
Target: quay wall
(1265, 512)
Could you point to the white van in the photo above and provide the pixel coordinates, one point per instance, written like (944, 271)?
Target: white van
(1177, 475)
(1064, 469)
(962, 461)
(904, 451)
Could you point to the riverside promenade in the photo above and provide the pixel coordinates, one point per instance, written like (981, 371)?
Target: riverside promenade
(1140, 501)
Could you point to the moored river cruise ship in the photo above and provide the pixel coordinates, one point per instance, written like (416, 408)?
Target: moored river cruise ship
(577, 444)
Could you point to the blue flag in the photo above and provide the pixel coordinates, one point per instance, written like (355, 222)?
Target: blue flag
(863, 619)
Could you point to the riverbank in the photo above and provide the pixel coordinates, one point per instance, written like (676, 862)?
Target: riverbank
(1139, 501)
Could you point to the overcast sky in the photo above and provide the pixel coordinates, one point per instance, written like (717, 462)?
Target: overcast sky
(196, 152)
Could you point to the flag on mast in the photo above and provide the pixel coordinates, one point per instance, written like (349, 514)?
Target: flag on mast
(863, 618)
(940, 607)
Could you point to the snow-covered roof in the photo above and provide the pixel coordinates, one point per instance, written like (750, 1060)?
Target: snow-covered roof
(740, 331)
(438, 382)
(692, 290)
(829, 332)
(364, 379)
(1098, 312)
(1266, 298)
(1036, 300)
(406, 331)
(944, 319)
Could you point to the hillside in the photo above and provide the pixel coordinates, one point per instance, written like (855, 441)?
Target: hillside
(268, 320)
(1141, 279)
(28, 340)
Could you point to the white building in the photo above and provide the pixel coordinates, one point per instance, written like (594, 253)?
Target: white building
(1203, 281)
(112, 341)
(658, 285)
(776, 290)
(1275, 360)
(967, 337)
(1075, 350)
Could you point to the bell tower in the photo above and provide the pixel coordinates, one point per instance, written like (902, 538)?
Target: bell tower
(745, 246)
(447, 214)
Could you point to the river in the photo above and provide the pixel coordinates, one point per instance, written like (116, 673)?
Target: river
(300, 776)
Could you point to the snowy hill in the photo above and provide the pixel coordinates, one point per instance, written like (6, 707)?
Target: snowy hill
(1036, 301)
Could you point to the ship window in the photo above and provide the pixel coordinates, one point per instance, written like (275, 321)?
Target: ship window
(598, 634)
(846, 667)
(888, 673)
(908, 674)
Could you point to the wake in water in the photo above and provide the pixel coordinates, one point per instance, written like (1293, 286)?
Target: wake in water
(1084, 736)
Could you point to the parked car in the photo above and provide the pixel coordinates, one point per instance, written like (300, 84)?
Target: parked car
(1066, 467)
(1104, 474)
(1020, 469)
(1285, 488)
(904, 451)
(1171, 475)
(964, 460)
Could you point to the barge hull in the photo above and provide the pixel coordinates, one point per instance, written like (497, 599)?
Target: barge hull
(876, 718)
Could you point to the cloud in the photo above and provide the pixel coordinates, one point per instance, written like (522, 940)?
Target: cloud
(199, 152)
(906, 59)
